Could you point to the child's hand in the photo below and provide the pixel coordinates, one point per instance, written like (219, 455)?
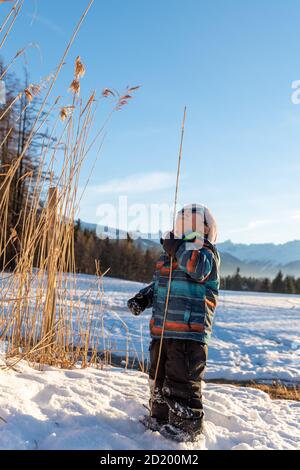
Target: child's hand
(137, 304)
(171, 244)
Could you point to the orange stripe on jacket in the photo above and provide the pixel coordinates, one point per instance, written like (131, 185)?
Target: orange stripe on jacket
(174, 326)
(210, 303)
(166, 270)
(159, 264)
(191, 265)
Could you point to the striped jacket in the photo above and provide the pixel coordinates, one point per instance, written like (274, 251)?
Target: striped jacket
(193, 295)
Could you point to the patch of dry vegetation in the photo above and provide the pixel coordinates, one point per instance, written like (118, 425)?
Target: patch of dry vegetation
(279, 391)
(276, 390)
(38, 321)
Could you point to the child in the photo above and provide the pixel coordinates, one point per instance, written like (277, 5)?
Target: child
(177, 398)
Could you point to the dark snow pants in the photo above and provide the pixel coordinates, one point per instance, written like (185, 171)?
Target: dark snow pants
(180, 373)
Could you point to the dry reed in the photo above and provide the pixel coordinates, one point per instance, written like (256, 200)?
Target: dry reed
(43, 318)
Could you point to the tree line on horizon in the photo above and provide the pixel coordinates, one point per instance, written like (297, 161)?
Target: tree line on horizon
(126, 260)
(122, 258)
(280, 284)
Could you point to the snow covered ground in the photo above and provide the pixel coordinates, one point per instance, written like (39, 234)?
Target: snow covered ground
(100, 409)
(255, 336)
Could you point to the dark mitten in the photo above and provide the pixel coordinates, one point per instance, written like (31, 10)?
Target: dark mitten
(171, 244)
(137, 304)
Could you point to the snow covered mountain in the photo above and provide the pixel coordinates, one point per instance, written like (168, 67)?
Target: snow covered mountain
(260, 260)
(265, 252)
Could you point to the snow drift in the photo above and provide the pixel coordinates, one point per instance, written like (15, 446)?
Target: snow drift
(100, 409)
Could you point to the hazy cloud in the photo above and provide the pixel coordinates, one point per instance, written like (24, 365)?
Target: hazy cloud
(137, 183)
(253, 225)
(47, 23)
(296, 216)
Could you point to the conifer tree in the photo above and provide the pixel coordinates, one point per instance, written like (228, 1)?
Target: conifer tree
(278, 284)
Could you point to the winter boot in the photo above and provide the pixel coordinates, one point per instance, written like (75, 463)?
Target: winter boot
(185, 420)
(159, 408)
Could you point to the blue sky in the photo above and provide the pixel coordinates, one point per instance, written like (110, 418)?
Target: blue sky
(231, 63)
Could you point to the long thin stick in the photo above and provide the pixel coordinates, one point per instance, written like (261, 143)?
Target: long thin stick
(171, 267)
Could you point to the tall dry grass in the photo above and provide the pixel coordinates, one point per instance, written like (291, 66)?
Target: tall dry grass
(42, 317)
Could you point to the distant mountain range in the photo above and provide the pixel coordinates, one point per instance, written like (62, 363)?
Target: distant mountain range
(283, 254)
(259, 259)
(257, 268)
